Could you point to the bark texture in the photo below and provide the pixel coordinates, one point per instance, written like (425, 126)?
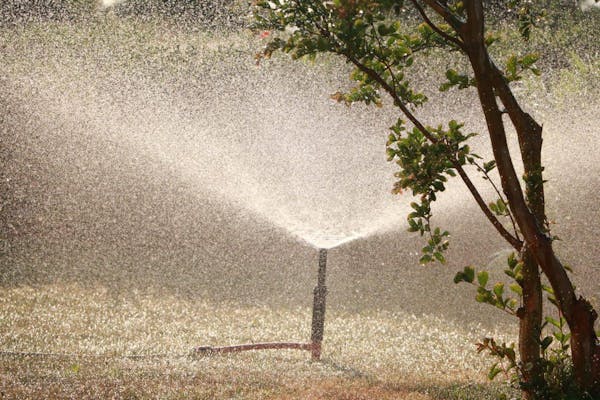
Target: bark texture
(578, 312)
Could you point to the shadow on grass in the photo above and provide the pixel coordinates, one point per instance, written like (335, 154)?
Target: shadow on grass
(468, 391)
(362, 380)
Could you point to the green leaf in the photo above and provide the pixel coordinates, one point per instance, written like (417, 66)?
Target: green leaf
(494, 208)
(553, 322)
(515, 287)
(529, 59)
(511, 68)
(482, 278)
(440, 257)
(413, 226)
(568, 268)
(498, 289)
(491, 39)
(561, 337)
(469, 274)
(547, 341)
(444, 87)
(512, 260)
(490, 165)
(426, 258)
(459, 277)
(548, 289)
(391, 153)
(494, 371)
(501, 206)
(484, 296)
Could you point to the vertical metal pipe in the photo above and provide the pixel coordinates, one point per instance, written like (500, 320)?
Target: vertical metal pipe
(318, 316)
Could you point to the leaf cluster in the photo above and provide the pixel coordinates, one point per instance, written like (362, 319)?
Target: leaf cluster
(382, 49)
(494, 295)
(558, 382)
(455, 79)
(505, 353)
(425, 167)
(359, 30)
(515, 66)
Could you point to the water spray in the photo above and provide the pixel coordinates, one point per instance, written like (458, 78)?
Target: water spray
(317, 328)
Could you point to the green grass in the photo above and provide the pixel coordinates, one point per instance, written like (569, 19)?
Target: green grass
(64, 341)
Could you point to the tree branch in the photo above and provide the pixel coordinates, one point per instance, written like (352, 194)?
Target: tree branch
(446, 14)
(497, 190)
(433, 26)
(515, 242)
(537, 241)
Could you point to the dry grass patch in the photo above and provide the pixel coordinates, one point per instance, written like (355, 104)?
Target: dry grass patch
(356, 389)
(72, 341)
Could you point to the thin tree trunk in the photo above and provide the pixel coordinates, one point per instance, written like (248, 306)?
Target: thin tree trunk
(530, 316)
(530, 321)
(579, 314)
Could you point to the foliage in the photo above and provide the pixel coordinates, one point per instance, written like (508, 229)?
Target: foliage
(382, 48)
(556, 361)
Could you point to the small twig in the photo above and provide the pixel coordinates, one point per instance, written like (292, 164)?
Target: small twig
(497, 190)
(433, 26)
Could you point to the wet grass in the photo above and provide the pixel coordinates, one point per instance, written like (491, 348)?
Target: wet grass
(67, 341)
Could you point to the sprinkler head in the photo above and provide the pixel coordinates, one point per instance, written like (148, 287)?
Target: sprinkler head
(322, 257)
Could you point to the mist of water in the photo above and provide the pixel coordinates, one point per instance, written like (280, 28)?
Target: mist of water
(261, 140)
(174, 152)
(110, 3)
(159, 191)
(587, 5)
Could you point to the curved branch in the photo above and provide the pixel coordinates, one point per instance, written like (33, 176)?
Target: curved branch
(433, 26)
(446, 14)
(497, 190)
(515, 242)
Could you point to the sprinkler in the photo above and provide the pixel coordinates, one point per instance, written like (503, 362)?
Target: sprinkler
(318, 324)
(318, 316)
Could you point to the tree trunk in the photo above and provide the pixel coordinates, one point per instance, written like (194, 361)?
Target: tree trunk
(530, 322)
(579, 314)
(529, 133)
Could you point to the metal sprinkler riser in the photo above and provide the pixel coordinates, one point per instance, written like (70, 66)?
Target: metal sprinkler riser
(318, 323)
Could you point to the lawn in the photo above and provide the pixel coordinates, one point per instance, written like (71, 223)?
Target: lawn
(75, 342)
